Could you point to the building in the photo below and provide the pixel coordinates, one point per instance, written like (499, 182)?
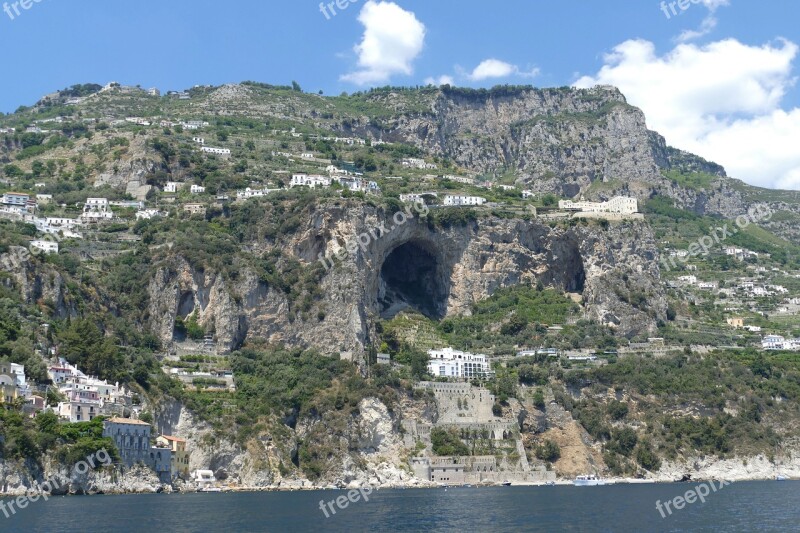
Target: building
(384, 359)
(13, 384)
(224, 152)
(173, 187)
(304, 180)
(132, 439)
(619, 204)
(96, 209)
(82, 405)
(147, 214)
(199, 140)
(44, 198)
(195, 209)
(451, 363)
(774, 342)
(457, 200)
(736, 322)
(197, 189)
(45, 246)
(753, 329)
(16, 199)
(180, 456)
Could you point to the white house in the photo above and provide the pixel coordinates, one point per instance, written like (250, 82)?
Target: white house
(44, 198)
(455, 364)
(411, 198)
(199, 140)
(458, 200)
(197, 189)
(224, 152)
(773, 342)
(45, 246)
(304, 180)
(753, 329)
(173, 186)
(707, 285)
(619, 204)
(97, 209)
(306, 155)
(528, 194)
(147, 214)
(689, 280)
(16, 199)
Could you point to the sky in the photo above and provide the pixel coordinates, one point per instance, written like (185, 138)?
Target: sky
(715, 77)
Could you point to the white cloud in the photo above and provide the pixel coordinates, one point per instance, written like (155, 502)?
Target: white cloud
(494, 68)
(393, 39)
(441, 80)
(721, 101)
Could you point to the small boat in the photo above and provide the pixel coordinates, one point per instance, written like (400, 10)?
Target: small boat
(506, 483)
(588, 481)
(780, 478)
(550, 484)
(210, 489)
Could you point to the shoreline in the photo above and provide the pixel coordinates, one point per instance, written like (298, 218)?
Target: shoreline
(559, 482)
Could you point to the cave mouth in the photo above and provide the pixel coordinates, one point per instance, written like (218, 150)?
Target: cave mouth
(411, 278)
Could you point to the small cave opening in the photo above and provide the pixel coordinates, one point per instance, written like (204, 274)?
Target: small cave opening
(412, 278)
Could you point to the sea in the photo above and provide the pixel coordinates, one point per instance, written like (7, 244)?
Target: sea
(741, 506)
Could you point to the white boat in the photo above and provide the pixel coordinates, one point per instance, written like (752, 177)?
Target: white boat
(588, 481)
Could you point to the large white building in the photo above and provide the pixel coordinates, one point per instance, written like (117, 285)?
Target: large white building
(97, 209)
(457, 200)
(623, 205)
(216, 151)
(304, 180)
(451, 363)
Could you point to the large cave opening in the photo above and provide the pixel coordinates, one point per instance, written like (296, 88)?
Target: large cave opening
(412, 278)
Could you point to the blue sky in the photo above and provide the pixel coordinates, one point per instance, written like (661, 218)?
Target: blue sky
(711, 92)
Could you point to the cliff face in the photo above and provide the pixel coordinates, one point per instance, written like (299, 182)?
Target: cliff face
(438, 271)
(36, 281)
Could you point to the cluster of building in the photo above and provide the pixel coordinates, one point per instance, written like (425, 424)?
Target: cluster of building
(14, 385)
(778, 342)
(87, 397)
(353, 184)
(413, 162)
(450, 363)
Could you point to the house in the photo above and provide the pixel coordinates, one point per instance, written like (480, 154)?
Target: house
(688, 280)
(306, 156)
(528, 194)
(458, 200)
(44, 198)
(45, 246)
(195, 209)
(459, 179)
(413, 162)
(736, 322)
(773, 342)
(16, 199)
(412, 198)
(96, 209)
(153, 92)
(180, 456)
(224, 152)
(197, 189)
(13, 384)
(254, 193)
(147, 214)
(199, 140)
(753, 329)
(132, 439)
(82, 405)
(707, 285)
(304, 180)
(619, 204)
(451, 363)
(204, 479)
(173, 187)
(384, 359)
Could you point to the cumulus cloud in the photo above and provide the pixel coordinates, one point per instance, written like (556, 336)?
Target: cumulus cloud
(721, 100)
(494, 68)
(393, 39)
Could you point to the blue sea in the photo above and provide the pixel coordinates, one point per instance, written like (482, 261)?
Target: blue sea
(744, 506)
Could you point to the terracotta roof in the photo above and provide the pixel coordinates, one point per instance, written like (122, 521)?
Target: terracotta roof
(176, 439)
(131, 421)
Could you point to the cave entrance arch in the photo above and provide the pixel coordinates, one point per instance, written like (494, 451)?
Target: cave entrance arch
(413, 276)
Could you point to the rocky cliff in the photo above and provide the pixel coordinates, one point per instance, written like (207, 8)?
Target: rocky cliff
(438, 271)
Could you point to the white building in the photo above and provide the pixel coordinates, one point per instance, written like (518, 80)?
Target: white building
(411, 198)
(413, 162)
(459, 179)
(224, 152)
(45, 246)
(147, 214)
(619, 204)
(173, 186)
(753, 329)
(689, 280)
(458, 200)
(199, 140)
(528, 194)
(97, 209)
(304, 180)
(16, 199)
(254, 193)
(306, 155)
(774, 342)
(44, 198)
(455, 364)
(197, 189)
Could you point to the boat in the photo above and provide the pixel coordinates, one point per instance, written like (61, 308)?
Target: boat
(506, 483)
(550, 484)
(209, 489)
(588, 481)
(780, 478)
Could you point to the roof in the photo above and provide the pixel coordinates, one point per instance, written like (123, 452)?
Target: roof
(131, 421)
(170, 438)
